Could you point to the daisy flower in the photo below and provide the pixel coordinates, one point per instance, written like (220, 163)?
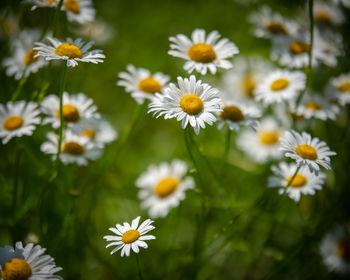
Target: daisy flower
(335, 250)
(339, 89)
(24, 60)
(241, 81)
(29, 262)
(269, 24)
(18, 119)
(345, 3)
(98, 31)
(279, 86)
(203, 53)
(236, 114)
(262, 145)
(80, 11)
(327, 14)
(130, 236)
(69, 50)
(193, 102)
(141, 83)
(304, 182)
(76, 108)
(43, 3)
(162, 187)
(306, 150)
(75, 149)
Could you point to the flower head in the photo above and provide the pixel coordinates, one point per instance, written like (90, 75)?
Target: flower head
(339, 89)
(80, 11)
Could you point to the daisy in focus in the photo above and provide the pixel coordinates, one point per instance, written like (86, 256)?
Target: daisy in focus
(74, 149)
(141, 83)
(269, 24)
(76, 108)
(203, 52)
(335, 250)
(262, 145)
(24, 60)
(69, 50)
(279, 86)
(80, 11)
(43, 3)
(339, 89)
(162, 187)
(28, 262)
(18, 119)
(327, 14)
(306, 150)
(304, 182)
(130, 236)
(236, 114)
(192, 102)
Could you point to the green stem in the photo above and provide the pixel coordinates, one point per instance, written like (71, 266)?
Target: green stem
(19, 87)
(139, 267)
(58, 8)
(226, 151)
(294, 175)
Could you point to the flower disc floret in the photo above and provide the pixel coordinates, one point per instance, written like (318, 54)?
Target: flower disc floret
(298, 181)
(299, 47)
(72, 5)
(269, 137)
(16, 269)
(13, 123)
(166, 187)
(306, 151)
(70, 113)
(276, 28)
(202, 52)
(149, 85)
(279, 84)
(73, 148)
(30, 57)
(70, 50)
(191, 104)
(343, 249)
(232, 113)
(130, 236)
(344, 87)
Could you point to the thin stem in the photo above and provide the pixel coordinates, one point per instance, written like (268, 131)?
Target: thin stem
(58, 8)
(294, 175)
(19, 87)
(226, 151)
(139, 267)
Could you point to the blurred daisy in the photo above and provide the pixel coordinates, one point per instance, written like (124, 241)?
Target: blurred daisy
(18, 119)
(241, 81)
(262, 145)
(345, 3)
(141, 83)
(315, 106)
(236, 114)
(203, 53)
(98, 31)
(130, 236)
(279, 86)
(339, 89)
(76, 108)
(74, 149)
(304, 182)
(163, 187)
(306, 150)
(327, 14)
(24, 60)
(335, 250)
(27, 262)
(81, 11)
(72, 51)
(98, 131)
(269, 24)
(193, 102)
(43, 3)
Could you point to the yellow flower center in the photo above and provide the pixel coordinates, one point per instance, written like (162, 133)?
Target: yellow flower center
(149, 85)
(191, 104)
(202, 52)
(232, 113)
(13, 122)
(298, 181)
(306, 151)
(323, 17)
(166, 187)
(344, 87)
(50, 1)
(249, 85)
(16, 269)
(269, 137)
(299, 47)
(279, 84)
(70, 50)
(130, 236)
(276, 28)
(29, 57)
(89, 133)
(72, 5)
(313, 106)
(70, 113)
(73, 148)
(343, 249)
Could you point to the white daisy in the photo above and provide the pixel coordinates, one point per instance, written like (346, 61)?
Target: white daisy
(141, 83)
(163, 187)
(76, 108)
(269, 24)
(98, 31)
(327, 14)
(262, 145)
(72, 51)
(24, 60)
(18, 119)
(193, 102)
(279, 86)
(304, 182)
(203, 53)
(75, 149)
(339, 89)
(99, 131)
(81, 11)
(28, 263)
(345, 3)
(335, 250)
(43, 3)
(236, 114)
(130, 236)
(306, 150)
